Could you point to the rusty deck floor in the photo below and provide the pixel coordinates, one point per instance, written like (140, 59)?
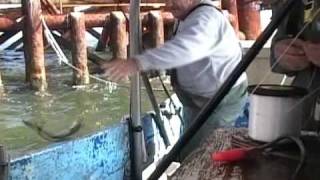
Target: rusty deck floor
(257, 166)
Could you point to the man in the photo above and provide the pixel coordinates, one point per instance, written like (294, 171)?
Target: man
(300, 57)
(203, 52)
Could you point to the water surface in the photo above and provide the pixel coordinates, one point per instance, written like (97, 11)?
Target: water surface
(98, 105)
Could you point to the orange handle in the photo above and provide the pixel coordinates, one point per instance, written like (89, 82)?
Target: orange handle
(230, 155)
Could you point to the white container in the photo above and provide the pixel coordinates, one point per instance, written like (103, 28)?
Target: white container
(275, 111)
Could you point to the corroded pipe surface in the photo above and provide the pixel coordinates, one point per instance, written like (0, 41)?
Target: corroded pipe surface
(249, 18)
(119, 35)
(104, 37)
(62, 21)
(231, 6)
(33, 33)
(79, 49)
(155, 28)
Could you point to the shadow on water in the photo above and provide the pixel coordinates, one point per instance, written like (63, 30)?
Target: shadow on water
(97, 104)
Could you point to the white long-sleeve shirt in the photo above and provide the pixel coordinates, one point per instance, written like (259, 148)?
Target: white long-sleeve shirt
(204, 51)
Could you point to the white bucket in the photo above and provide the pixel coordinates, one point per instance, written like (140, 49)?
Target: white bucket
(275, 111)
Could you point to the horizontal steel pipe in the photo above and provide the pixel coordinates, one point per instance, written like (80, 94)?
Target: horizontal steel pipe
(84, 1)
(62, 21)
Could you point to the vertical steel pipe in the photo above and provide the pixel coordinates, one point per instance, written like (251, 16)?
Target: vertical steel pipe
(33, 44)
(249, 18)
(119, 37)
(79, 49)
(231, 6)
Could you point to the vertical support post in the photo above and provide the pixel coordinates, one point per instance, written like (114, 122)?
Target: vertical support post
(155, 26)
(155, 35)
(26, 49)
(249, 18)
(119, 38)
(105, 36)
(231, 6)
(33, 44)
(4, 163)
(135, 48)
(79, 49)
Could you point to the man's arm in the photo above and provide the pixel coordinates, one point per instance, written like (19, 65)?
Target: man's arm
(197, 40)
(198, 37)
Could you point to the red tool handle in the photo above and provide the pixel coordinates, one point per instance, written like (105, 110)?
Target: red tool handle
(230, 155)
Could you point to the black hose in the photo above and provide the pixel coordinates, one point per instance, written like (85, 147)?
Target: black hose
(298, 142)
(176, 109)
(223, 90)
(158, 117)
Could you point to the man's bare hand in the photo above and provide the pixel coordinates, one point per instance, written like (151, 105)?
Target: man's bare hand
(292, 58)
(120, 69)
(312, 51)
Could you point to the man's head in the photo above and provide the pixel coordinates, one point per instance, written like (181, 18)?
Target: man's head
(180, 8)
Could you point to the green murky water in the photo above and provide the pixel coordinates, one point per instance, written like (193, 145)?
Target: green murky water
(98, 104)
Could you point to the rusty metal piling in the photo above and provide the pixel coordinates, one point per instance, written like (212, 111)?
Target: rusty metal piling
(79, 49)
(33, 44)
(119, 35)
